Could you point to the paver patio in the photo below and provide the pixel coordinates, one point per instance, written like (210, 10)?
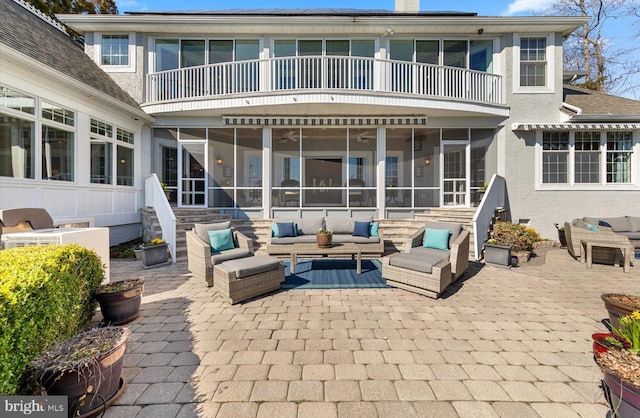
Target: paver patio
(500, 343)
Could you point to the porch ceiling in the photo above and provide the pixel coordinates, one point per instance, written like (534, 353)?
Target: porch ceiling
(326, 104)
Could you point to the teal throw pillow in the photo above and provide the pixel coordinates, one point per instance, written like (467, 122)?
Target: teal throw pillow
(373, 229)
(221, 240)
(274, 230)
(593, 228)
(436, 238)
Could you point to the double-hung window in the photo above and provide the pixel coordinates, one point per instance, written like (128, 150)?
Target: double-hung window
(58, 144)
(555, 157)
(115, 52)
(533, 62)
(619, 151)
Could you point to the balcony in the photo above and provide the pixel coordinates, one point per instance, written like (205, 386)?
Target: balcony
(344, 74)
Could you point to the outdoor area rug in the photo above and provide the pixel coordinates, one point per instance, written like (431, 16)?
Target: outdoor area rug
(333, 274)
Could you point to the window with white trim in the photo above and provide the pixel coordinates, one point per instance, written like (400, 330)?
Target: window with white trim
(555, 157)
(58, 114)
(583, 158)
(533, 61)
(619, 148)
(115, 50)
(103, 143)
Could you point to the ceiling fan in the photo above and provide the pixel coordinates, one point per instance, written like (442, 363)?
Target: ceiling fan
(364, 136)
(292, 135)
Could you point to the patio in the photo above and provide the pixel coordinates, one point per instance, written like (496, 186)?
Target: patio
(500, 343)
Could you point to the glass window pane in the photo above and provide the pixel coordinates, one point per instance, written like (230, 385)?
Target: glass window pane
(284, 48)
(455, 54)
(247, 49)
(220, 51)
(428, 52)
(481, 56)
(167, 53)
(101, 162)
(58, 114)
(340, 48)
(426, 149)
(57, 154)
(533, 66)
(124, 136)
(16, 100)
(306, 48)
(115, 50)
(363, 48)
(192, 53)
(401, 50)
(125, 166)
(16, 147)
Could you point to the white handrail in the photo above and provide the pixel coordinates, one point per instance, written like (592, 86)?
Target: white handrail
(323, 73)
(495, 197)
(154, 197)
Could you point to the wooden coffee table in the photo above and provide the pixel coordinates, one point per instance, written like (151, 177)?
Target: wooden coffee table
(336, 249)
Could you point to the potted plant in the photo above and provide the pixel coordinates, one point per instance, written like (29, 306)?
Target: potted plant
(621, 368)
(324, 237)
(619, 305)
(86, 368)
(154, 253)
(561, 236)
(120, 301)
(519, 239)
(496, 253)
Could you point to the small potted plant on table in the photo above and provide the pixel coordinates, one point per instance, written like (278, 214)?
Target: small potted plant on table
(324, 237)
(154, 253)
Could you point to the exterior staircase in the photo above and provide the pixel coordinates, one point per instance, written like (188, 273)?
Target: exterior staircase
(396, 231)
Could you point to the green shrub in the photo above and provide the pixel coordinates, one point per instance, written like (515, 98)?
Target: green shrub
(46, 296)
(520, 237)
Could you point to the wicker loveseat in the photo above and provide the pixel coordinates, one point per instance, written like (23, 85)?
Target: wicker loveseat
(200, 259)
(429, 271)
(343, 229)
(577, 230)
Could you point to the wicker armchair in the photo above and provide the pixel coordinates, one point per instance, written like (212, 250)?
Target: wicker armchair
(200, 260)
(575, 234)
(431, 281)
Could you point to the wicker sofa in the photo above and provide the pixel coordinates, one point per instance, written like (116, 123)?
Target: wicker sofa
(429, 271)
(200, 259)
(577, 230)
(343, 228)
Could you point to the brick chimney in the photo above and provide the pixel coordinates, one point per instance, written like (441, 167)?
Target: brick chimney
(407, 6)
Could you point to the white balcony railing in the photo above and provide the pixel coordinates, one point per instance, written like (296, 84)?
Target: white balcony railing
(323, 73)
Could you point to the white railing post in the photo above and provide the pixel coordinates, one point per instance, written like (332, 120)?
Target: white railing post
(154, 197)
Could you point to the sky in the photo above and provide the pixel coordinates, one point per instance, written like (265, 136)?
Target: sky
(484, 8)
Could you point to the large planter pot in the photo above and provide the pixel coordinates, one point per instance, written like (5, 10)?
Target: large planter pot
(620, 305)
(120, 301)
(624, 398)
(498, 255)
(324, 240)
(154, 255)
(562, 238)
(86, 368)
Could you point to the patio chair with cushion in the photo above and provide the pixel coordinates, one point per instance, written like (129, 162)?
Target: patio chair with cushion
(436, 256)
(202, 256)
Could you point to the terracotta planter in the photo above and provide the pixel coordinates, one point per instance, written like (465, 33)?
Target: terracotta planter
(624, 398)
(90, 387)
(619, 309)
(154, 255)
(121, 306)
(324, 240)
(498, 255)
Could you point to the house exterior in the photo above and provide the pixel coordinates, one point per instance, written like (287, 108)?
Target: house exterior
(276, 113)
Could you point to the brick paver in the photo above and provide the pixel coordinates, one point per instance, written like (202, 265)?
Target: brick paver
(500, 343)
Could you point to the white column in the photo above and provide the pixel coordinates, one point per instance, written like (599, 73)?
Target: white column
(381, 172)
(266, 172)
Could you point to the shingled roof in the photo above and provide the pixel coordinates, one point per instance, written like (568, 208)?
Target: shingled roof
(24, 31)
(598, 103)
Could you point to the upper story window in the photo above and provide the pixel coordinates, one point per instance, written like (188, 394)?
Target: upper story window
(587, 158)
(115, 52)
(17, 101)
(171, 54)
(533, 65)
(533, 62)
(469, 54)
